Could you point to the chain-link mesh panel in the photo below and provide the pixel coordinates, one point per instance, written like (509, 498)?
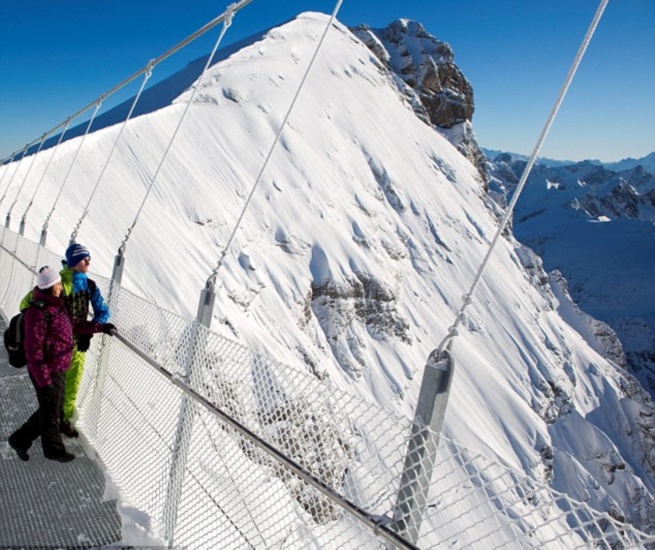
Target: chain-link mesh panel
(89, 394)
(16, 258)
(478, 503)
(192, 427)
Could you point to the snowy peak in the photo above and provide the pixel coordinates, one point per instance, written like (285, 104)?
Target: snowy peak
(441, 95)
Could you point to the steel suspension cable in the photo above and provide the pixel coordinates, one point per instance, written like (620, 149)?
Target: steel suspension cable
(452, 331)
(70, 168)
(146, 77)
(227, 17)
(20, 188)
(54, 152)
(212, 277)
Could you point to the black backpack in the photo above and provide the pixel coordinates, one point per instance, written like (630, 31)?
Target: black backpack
(15, 335)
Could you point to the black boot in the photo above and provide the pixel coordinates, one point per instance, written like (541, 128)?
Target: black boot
(20, 451)
(62, 456)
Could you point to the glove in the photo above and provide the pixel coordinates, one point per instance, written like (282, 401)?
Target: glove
(109, 328)
(83, 342)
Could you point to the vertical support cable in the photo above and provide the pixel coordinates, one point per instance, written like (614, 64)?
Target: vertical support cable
(526, 172)
(44, 230)
(20, 188)
(227, 21)
(146, 76)
(14, 174)
(437, 377)
(214, 273)
(54, 152)
(7, 164)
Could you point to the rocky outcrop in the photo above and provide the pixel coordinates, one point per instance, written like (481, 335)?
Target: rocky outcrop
(622, 201)
(343, 310)
(427, 66)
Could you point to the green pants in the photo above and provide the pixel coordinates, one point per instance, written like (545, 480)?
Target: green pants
(73, 379)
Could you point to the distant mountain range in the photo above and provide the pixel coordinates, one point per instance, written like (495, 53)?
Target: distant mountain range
(596, 226)
(648, 162)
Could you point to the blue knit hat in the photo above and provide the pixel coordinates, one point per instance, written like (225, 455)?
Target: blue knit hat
(75, 253)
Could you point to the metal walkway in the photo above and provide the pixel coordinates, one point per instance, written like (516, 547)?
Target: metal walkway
(45, 503)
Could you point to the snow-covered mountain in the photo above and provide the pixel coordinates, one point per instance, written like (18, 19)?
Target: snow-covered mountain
(352, 258)
(597, 227)
(647, 162)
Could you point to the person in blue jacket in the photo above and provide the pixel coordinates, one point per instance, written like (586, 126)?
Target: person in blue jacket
(79, 292)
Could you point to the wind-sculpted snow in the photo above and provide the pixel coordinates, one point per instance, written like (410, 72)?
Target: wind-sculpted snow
(351, 261)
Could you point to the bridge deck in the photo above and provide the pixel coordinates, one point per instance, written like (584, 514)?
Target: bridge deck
(45, 503)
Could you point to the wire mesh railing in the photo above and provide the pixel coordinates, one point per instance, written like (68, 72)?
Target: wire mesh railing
(219, 446)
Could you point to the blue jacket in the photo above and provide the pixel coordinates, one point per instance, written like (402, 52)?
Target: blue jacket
(76, 283)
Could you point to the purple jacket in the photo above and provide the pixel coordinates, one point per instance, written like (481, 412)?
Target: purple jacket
(49, 343)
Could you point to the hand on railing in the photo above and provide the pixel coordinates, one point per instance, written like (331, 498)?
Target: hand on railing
(109, 328)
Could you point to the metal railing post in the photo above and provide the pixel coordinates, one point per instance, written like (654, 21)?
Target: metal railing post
(422, 449)
(119, 264)
(44, 236)
(184, 430)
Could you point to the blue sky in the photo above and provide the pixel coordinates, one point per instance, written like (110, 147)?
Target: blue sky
(56, 57)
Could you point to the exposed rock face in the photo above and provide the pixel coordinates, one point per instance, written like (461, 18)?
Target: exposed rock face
(427, 66)
(621, 202)
(343, 310)
(602, 337)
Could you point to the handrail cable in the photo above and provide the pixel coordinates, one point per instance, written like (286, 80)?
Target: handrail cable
(212, 277)
(227, 17)
(70, 168)
(138, 73)
(11, 179)
(54, 152)
(146, 76)
(467, 299)
(20, 188)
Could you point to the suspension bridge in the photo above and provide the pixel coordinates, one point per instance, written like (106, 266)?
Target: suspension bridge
(215, 445)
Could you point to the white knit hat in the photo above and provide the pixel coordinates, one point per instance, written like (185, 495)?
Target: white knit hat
(47, 277)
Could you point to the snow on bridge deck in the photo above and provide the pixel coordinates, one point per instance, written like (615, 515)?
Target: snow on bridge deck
(44, 503)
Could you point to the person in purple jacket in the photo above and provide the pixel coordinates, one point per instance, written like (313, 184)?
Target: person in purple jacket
(48, 349)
